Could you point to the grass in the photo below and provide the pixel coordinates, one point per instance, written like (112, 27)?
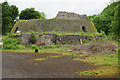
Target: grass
(56, 56)
(59, 33)
(108, 65)
(103, 59)
(73, 56)
(102, 71)
(39, 59)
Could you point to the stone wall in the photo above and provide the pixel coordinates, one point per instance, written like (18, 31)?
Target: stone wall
(70, 15)
(52, 38)
(70, 22)
(47, 38)
(52, 25)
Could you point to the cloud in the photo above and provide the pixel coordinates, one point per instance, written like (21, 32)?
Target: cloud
(51, 7)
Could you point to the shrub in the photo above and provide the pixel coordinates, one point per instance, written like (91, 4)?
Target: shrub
(34, 47)
(40, 47)
(11, 43)
(85, 41)
(33, 39)
(21, 46)
(48, 46)
(72, 56)
(119, 50)
(57, 46)
(51, 46)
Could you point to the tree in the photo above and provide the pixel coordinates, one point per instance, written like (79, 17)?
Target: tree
(103, 20)
(116, 23)
(30, 13)
(42, 15)
(112, 1)
(9, 14)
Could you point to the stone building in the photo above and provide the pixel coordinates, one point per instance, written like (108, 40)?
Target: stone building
(70, 15)
(63, 22)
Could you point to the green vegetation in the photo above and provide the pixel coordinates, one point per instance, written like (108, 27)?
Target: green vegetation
(103, 21)
(9, 17)
(33, 39)
(108, 65)
(73, 56)
(115, 24)
(12, 43)
(102, 71)
(57, 25)
(30, 13)
(39, 59)
(103, 59)
(60, 33)
(56, 56)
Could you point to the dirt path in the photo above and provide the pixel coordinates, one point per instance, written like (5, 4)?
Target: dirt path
(22, 66)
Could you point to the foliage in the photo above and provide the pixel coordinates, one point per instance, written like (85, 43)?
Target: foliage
(42, 15)
(9, 14)
(30, 13)
(85, 41)
(34, 47)
(51, 46)
(33, 39)
(72, 56)
(103, 20)
(59, 25)
(63, 33)
(115, 25)
(11, 43)
(103, 59)
(92, 17)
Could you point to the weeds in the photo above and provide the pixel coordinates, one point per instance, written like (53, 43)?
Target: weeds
(72, 56)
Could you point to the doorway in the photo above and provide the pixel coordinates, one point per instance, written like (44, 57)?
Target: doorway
(84, 29)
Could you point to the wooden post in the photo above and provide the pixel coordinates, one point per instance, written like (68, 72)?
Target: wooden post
(81, 41)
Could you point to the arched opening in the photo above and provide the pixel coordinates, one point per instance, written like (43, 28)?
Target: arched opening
(84, 29)
(16, 30)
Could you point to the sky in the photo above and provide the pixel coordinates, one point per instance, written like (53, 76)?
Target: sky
(52, 7)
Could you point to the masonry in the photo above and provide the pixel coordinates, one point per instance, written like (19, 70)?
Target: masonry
(63, 22)
(52, 38)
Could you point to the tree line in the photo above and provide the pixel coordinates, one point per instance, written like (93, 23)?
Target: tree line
(10, 14)
(108, 20)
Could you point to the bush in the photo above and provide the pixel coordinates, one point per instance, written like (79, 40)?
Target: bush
(34, 47)
(21, 46)
(40, 47)
(119, 50)
(51, 46)
(10, 43)
(33, 39)
(57, 46)
(85, 41)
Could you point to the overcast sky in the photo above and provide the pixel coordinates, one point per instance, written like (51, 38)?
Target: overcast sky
(51, 7)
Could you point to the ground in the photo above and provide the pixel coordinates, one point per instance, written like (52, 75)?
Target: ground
(45, 65)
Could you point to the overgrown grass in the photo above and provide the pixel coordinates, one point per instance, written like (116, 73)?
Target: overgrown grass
(51, 47)
(102, 71)
(103, 59)
(60, 33)
(108, 65)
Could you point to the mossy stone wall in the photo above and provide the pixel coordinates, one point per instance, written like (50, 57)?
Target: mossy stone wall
(54, 25)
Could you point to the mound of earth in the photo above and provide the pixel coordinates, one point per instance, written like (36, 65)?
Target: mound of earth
(96, 47)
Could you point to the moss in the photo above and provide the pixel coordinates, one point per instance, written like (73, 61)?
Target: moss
(16, 24)
(56, 56)
(102, 71)
(39, 59)
(50, 25)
